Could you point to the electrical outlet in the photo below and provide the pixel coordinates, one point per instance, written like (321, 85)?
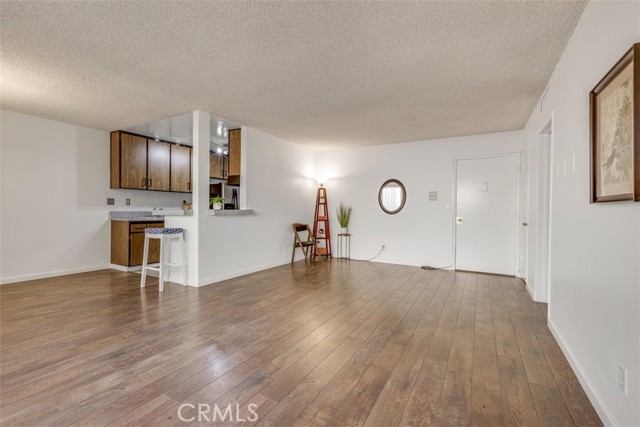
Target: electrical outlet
(111, 201)
(622, 379)
(128, 202)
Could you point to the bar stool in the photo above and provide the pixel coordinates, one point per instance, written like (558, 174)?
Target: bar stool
(166, 235)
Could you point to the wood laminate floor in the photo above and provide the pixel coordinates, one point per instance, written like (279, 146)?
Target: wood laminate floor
(332, 344)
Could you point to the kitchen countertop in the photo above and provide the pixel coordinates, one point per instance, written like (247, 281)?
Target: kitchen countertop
(231, 212)
(140, 219)
(142, 216)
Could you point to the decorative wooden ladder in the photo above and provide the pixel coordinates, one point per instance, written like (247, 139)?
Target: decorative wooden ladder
(321, 230)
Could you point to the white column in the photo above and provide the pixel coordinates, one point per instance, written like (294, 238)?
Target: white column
(201, 139)
(200, 185)
(244, 138)
(200, 162)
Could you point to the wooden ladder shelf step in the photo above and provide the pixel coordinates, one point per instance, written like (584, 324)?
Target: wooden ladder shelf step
(321, 229)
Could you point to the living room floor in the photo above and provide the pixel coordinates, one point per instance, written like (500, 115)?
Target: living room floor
(336, 343)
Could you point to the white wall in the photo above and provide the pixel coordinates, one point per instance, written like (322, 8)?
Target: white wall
(54, 184)
(421, 234)
(594, 303)
(279, 188)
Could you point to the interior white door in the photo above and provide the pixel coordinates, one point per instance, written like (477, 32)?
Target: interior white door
(486, 214)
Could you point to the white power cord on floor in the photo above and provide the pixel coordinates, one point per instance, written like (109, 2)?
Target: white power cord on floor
(430, 268)
(371, 259)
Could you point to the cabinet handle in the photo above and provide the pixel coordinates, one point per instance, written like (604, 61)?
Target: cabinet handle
(188, 185)
(144, 182)
(150, 182)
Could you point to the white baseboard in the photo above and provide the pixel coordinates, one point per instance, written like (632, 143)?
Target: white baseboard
(595, 398)
(215, 279)
(126, 269)
(533, 297)
(48, 274)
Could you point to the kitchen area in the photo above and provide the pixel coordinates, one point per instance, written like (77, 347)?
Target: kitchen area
(159, 157)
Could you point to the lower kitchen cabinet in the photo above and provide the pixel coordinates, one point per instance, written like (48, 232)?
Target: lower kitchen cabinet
(127, 243)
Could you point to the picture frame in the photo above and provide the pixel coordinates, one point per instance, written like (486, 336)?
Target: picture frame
(614, 115)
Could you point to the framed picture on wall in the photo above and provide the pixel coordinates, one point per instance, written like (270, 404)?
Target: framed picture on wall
(615, 132)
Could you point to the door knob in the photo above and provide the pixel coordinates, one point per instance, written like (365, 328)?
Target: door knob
(459, 219)
(525, 224)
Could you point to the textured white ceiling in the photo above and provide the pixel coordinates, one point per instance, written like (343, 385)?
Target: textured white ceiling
(322, 73)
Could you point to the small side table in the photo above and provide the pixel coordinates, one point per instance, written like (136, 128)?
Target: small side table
(344, 245)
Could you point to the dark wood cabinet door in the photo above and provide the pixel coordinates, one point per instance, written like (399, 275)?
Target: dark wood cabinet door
(159, 171)
(217, 163)
(133, 161)
(154, 244)
(181, 168)
(120, 243)
(212, 164)
(234, 152)
(154, 251)
(136, 248)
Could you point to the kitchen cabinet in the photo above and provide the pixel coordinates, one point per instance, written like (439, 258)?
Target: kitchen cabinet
(128, 161)
(139, 163)
(181, 168)
(218, 165)
(127, 243)
(159, 165)
(234, 157)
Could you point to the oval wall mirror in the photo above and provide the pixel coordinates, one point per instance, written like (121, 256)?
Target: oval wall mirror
(392, 196)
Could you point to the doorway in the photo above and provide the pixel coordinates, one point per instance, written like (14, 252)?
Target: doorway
(541, 280)
(486, 218)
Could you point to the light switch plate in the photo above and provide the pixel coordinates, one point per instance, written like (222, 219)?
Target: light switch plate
(111, 201)
(622, 379)
(433, 195)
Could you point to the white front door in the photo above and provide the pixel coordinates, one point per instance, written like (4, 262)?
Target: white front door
(486, 214)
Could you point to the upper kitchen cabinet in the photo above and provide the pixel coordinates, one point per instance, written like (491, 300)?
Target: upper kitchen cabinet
(159, 165)
(181, 168)
(128, 161)
(146, 164)
(234, 157)
(218, 165)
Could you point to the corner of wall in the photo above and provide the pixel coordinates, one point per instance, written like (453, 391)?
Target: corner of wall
(596, 400)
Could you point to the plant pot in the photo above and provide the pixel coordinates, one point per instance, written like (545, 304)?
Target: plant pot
(217, 206)
(344, 230)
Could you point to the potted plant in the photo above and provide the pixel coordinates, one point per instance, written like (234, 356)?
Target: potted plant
(344, 214)
(216, 202)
